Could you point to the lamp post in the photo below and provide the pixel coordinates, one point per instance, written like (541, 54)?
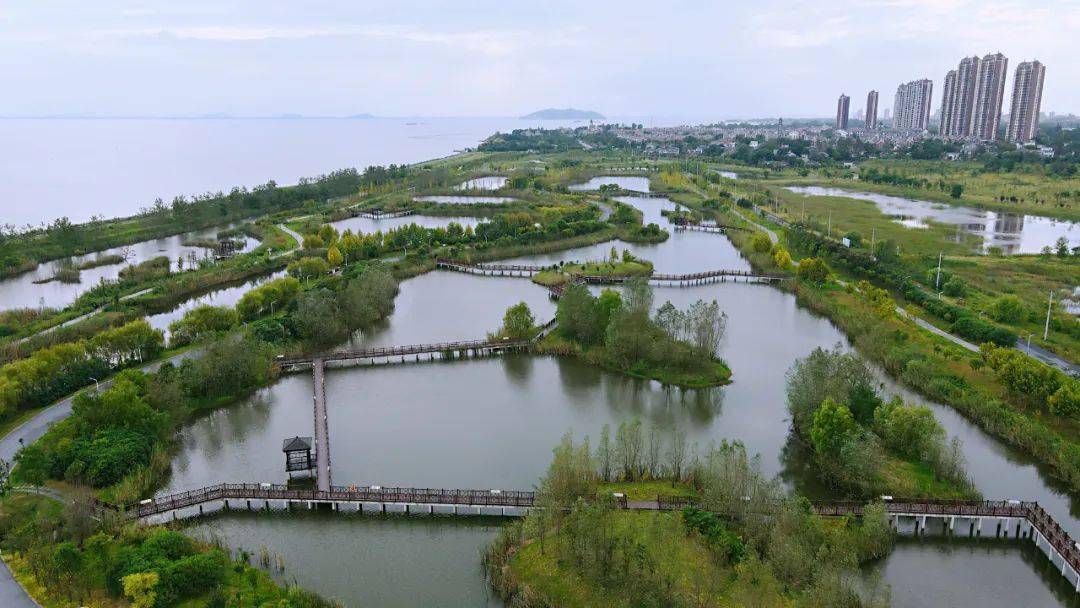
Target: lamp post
(97, 386)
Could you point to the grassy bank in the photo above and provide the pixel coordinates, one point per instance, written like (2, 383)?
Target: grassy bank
(568, 272)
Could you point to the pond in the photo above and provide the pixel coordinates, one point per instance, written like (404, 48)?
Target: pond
(625, 182)
(488, 182)
(366, 225)
(21, 291)
(227, 297)
(462, 200)
(1011, 232)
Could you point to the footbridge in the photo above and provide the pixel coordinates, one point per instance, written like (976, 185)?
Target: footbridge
(446, 349)
(719, 275)
(383, 215)
(991, 518)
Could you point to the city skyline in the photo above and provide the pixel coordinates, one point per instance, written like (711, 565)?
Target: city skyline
(419, 58)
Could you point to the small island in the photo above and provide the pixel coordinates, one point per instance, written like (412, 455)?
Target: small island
(564, 114)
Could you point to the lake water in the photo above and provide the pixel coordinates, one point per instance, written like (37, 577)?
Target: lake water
(1013, 233)
(625, 182)
(80, 168)
(21, 292)
(488, 182)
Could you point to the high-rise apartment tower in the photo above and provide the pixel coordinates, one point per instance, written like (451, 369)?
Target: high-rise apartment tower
(1026, 101)
(989, 92)
(871, 110)
(958, 99)
(911, 109)
(842, 106)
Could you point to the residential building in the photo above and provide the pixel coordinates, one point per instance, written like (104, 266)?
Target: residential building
(871, 110)
(842, 106)
(989, 93)
(912, 105)
(958, 99)
(1026, 99)
(887, 115)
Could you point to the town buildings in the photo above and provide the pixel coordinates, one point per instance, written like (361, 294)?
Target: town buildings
(958, 99)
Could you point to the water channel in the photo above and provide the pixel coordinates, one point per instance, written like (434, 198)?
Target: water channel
(21, 291)
(491, 423)
(1011, 232)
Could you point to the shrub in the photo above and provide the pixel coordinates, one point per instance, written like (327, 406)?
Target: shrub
(1007, 309)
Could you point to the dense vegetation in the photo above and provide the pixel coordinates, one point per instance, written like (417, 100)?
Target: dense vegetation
(676, 347)
(746, 544)
(72, 556)
(857, 438)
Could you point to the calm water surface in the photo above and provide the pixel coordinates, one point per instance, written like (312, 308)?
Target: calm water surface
(366, 225)
(227, 297)
(626, 182)
(80, 168)
(1013, 233)
(363, 561)
(21, 291)
(491, 423)
(488, 182)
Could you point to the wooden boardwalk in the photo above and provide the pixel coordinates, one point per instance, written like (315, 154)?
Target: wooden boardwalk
(466, 347)
(698, 278)
(322, 427)
(381, 215)
(1002, 518)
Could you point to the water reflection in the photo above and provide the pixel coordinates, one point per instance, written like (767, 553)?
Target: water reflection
(488, 182)
(364, 560)
(988, 573)
(1011, 232)
(463, 200)
(366, 225)
(21, 291)
(625, 182)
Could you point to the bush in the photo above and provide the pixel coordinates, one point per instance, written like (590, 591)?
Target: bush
(761, 242)
(1007, 309)
(955, 287)
(813, 270)
(201, 321)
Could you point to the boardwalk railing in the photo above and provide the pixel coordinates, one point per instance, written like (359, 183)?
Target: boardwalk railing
(374, 494)
(411, 349)
(483, 268)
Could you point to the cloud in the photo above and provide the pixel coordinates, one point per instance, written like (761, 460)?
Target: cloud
(485, 41)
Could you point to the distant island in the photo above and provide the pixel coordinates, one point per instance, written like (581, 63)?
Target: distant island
(565, 114)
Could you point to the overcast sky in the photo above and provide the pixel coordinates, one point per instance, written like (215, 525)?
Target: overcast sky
(505, 58)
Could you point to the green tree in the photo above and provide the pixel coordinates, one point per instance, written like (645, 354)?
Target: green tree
(141, 589)
(813, 270)
(317, 317)
(518, 321)
(607, 305)
(1066, 399)
(1007, 309)
(956, 191)
(761, 242)
(1061, 246)
(334, 257)
(576, 314)
(833, 424)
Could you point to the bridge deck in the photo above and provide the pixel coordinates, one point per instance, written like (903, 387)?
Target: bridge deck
(322, 427)
(411, 349)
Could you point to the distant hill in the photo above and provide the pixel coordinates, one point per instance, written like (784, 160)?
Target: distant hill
(363, 116)
(565, 114)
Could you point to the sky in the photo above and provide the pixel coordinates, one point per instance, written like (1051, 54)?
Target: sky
(506, 58)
